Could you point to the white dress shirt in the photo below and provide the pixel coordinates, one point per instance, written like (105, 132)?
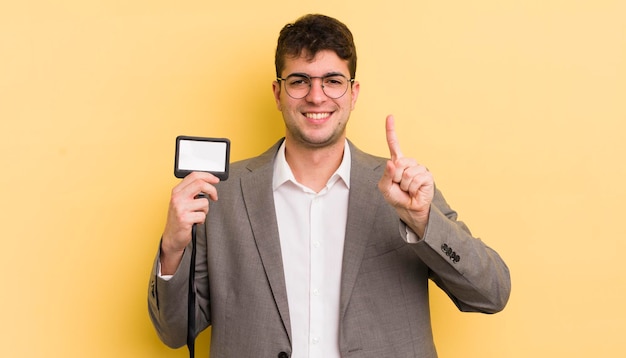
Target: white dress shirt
(312, 230)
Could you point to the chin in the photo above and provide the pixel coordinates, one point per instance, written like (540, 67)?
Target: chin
(321, 142)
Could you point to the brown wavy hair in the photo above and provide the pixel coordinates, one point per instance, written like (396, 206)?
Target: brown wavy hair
(311, 34)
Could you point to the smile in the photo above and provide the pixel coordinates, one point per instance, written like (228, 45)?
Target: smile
(317, 116)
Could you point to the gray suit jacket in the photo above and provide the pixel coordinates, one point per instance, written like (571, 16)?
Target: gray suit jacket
(384, 303)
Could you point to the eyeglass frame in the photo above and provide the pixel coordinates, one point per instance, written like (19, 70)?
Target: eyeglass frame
(310, 78)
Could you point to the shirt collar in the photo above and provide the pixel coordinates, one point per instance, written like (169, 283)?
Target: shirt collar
(283, 173)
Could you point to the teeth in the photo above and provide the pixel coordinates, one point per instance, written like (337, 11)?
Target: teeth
(317, 115)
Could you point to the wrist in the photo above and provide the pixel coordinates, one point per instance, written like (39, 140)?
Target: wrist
(416, 221)
(170, 258)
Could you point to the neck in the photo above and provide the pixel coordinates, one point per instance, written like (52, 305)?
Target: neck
(313, 167)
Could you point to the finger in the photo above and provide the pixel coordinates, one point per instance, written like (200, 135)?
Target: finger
(193, 180)
(207, 191)
(401, 167)
(196, 217)
(389, 188)
(413, 179)
(392, 139)
(200, 185)
(418, 186)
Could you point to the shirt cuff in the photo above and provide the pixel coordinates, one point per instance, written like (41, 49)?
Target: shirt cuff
(410, 236)
(164, 277)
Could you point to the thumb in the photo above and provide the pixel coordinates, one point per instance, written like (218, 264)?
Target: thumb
(386, 181)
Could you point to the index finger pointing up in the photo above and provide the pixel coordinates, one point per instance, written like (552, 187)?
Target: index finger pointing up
(392, 139)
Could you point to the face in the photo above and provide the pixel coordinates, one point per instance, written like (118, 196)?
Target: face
(316, 120)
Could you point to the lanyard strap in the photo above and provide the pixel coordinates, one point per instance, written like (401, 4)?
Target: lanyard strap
(191, 298)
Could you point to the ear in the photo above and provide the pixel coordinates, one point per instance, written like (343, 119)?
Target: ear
(356, 87)
(276, 89)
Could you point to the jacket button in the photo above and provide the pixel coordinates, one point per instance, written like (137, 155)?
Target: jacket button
(283, 355)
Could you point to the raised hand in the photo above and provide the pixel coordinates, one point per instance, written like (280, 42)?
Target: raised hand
(406, 185)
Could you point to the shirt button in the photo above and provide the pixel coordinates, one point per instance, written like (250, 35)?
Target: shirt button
(316, 292)
(315, 340)
(316, 244)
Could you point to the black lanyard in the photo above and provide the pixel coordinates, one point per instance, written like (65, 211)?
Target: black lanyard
(191, 299)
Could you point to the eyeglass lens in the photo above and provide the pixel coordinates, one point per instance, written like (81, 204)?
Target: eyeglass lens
(299, 86)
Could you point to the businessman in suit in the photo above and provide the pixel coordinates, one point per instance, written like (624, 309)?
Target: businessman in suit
(315, 248)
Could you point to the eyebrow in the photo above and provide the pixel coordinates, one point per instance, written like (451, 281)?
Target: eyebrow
(328, 74)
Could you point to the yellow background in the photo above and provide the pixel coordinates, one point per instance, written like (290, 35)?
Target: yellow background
(517, 107)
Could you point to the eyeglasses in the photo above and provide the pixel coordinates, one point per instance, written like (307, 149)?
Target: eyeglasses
(299, 85)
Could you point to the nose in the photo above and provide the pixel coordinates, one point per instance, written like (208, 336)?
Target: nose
(316, 93)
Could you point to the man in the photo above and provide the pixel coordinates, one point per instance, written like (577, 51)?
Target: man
(315, 248)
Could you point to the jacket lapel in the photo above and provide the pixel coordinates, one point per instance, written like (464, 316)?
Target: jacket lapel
(361, 215)
(258, 197)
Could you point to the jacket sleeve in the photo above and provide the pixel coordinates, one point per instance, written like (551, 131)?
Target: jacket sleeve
(472, 274)
(167, 301)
